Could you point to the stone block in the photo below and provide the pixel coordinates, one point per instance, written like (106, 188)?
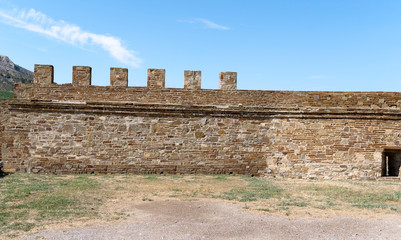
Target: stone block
(192, 79)
(156, 78)
(119, 77)
(228, 81)
(43, 74)
(81, 75)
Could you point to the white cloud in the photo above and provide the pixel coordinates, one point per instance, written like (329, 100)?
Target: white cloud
(38, 22)
(212, 25)
(206, 23)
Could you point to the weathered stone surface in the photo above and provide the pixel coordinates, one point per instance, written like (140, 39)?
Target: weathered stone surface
(180, 140)
(228, 81)
(82, 75)
(156, 78)
(43, 74)
(192, 79)
(4, 114)
(309, 135)
(352, 102)
(119, 77)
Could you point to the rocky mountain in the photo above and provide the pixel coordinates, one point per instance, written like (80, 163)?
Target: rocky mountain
(11, 73)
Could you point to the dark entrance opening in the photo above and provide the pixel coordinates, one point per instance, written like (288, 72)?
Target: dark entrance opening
(391, 162)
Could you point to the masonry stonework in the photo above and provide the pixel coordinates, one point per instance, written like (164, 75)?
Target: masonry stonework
(228, 80)
(192, 79)
(156, 78)
(119, 77)
(95, 129)
(43, 74)
(3, 120)
(81, 75)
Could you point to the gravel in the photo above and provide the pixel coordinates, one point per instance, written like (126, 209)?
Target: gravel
(222, 220)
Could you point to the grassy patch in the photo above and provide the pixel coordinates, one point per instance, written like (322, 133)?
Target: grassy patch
(221, 178)
(6, 95)
(147, 199)
(28, 200)
(256, 189)
(264, 209)
(327, 204)
(152, 177)
(368, 205)
(364, 195)
(294, 203)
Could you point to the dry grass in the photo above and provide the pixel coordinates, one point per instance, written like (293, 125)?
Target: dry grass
(31, 202)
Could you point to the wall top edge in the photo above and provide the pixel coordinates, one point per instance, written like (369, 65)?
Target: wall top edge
(144, 88)
(128, 106)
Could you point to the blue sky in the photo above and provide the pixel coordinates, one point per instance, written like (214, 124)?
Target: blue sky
(273, 45)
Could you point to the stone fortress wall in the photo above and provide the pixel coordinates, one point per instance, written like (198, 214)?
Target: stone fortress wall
(80, 128)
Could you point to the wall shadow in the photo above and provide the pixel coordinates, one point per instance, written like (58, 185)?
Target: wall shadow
(2, 174)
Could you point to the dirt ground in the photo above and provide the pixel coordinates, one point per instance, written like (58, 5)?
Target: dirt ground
(174, 219)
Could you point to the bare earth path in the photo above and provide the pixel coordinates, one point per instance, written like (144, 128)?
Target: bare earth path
(221, 220)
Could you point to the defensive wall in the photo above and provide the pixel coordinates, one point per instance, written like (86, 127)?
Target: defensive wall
(80, 128)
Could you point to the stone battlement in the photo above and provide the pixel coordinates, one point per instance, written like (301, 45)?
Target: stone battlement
(227, 95)
(82, 76)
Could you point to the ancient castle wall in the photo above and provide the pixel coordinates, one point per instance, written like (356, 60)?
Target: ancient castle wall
(79, 128)
(3, 119)
(103, 142)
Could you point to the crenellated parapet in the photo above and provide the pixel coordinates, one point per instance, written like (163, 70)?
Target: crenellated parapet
(82, 76)
(156, 78)
(192, 79)
(43, 74)
(119, 77)
(228, 81)
(192, 93)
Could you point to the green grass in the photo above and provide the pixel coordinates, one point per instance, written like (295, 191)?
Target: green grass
(264, 209)
(152, 177)
(369, 206)
(147, 199)
(354, 197)
(221, 177)
(6, 95)
(28, 201)
(327, 204)
(47, 197)
(256, 189)
(294, 203)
